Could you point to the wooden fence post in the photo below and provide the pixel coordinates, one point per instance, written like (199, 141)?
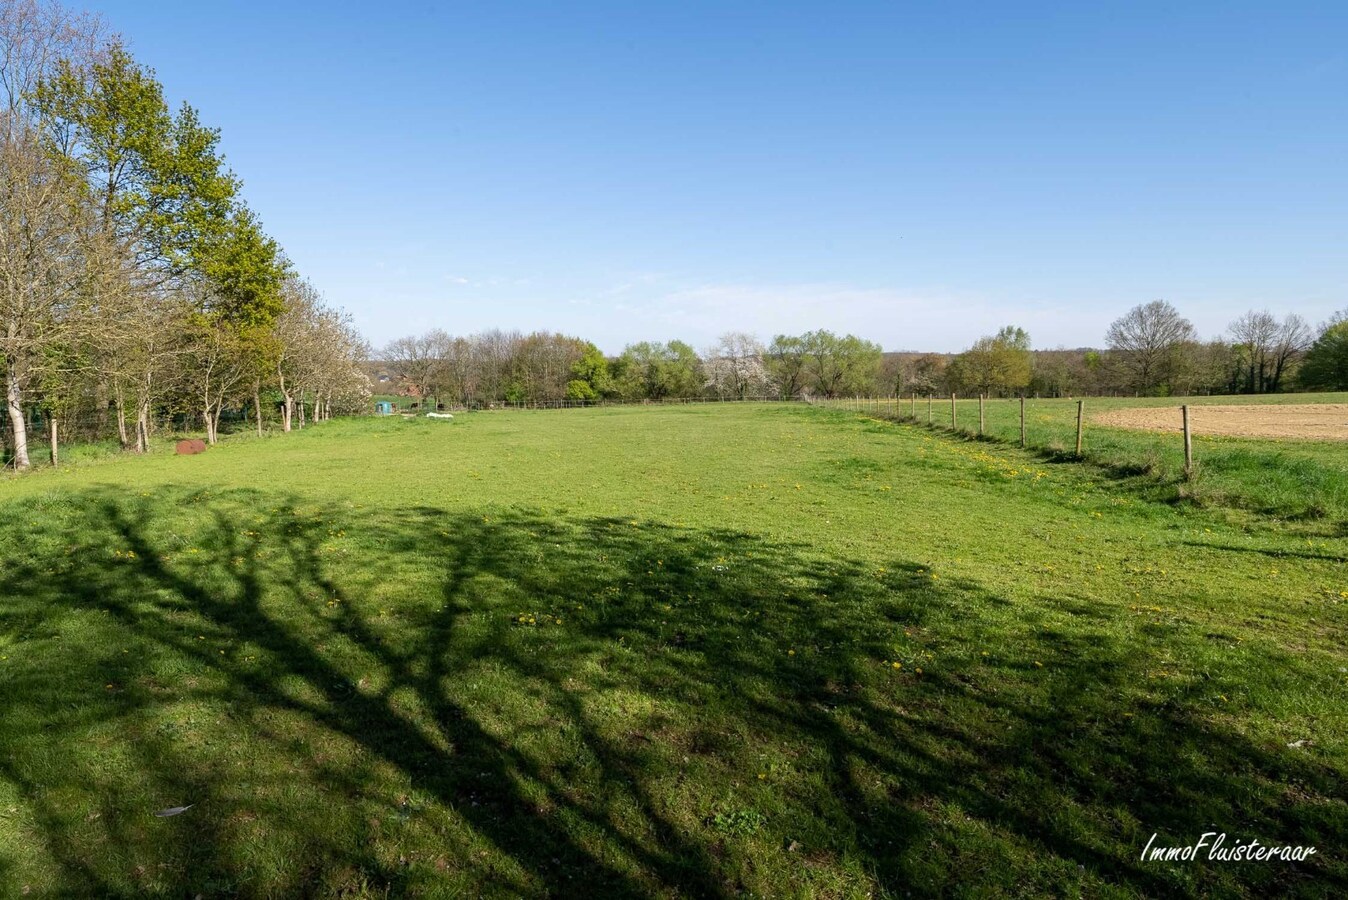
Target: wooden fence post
(981, 421)
(952, 411)
(1022, 423)
(1081, 407)
(1188, 445)
(929, 409)
(913, 406)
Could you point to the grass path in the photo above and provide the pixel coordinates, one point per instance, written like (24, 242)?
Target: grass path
(702, 650)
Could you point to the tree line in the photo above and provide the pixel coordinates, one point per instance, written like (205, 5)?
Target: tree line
(1151, 350)
(135, 282)
(498, 366)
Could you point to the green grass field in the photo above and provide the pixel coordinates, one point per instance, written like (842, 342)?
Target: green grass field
(711, 650)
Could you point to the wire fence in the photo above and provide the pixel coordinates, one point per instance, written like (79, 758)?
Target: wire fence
(1058, 427)
(95, 434)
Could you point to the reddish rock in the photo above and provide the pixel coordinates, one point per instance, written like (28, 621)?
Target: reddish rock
(187, 448)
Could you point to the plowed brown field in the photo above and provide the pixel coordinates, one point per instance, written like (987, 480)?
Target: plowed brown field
(1311, 421)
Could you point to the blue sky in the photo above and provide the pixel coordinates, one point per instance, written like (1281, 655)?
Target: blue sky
(919, 174)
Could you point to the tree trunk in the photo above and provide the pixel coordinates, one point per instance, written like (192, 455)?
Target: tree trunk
(55, 454)
(257, 405)
(207, 420)
(142, 428)
(301, 409)
(120, 403)
(18, 427)
(288, 402)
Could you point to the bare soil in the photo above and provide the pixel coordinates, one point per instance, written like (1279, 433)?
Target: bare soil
(1310, 421)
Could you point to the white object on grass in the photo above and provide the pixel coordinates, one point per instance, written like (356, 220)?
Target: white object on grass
(174, 811)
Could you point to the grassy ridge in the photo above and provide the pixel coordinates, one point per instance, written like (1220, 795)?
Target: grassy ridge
(710, 650)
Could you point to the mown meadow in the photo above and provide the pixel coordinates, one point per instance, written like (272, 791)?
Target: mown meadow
(741, 649)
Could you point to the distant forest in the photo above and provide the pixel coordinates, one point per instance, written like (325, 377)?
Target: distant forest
(1152, 350)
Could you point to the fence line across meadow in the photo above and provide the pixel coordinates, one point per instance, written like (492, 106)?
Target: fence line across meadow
(1056, 426)
(1015, 420)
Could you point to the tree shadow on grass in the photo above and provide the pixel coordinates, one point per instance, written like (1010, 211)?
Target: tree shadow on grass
(416, 702)
(1273, 553)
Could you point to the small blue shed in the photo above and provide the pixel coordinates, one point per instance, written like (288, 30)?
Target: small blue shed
(383, 408)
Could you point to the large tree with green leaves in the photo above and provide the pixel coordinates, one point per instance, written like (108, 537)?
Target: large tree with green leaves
(840, 366)
(996, 364)
(164, 204)
(1325, 366)
(590, 377)
(237, 291)
(785, 360)
(658, 371)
